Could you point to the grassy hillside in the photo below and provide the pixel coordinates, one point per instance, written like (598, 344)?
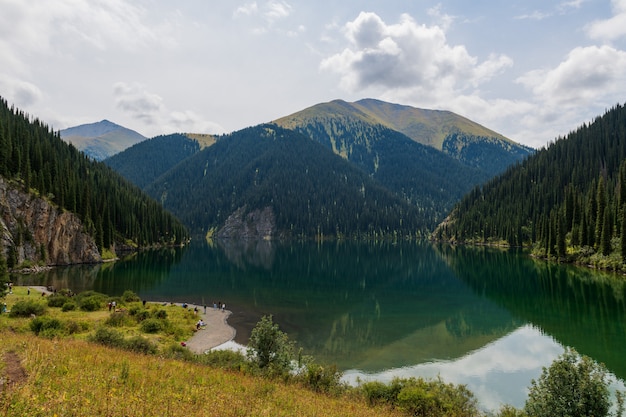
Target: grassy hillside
(429, 127)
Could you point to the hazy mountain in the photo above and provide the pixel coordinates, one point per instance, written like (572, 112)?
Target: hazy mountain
(468, 142)
(102, 139)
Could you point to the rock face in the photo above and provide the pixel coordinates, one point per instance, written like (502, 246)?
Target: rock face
(33, 230)
(257, 224)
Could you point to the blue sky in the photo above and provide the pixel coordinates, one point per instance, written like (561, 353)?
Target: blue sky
(531, 70)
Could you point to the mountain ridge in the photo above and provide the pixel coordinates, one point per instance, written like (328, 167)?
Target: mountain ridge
(102, 139)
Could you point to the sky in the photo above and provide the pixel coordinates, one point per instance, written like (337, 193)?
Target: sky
(532, 70)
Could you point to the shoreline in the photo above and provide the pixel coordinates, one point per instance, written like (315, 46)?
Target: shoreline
(216, 333)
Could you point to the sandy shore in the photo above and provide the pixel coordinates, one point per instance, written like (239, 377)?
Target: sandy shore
(216, 332)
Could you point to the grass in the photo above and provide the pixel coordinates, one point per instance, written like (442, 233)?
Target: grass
(64, 374)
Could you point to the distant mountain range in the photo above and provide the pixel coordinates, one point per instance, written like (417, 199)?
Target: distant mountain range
(368, 168)
(102, 139)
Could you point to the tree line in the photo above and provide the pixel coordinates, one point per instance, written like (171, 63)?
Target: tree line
(567, 201)
(110, 207)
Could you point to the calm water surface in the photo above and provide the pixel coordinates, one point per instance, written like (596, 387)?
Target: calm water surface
(489, 319)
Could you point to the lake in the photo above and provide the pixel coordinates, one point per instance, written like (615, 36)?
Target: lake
(490, 319)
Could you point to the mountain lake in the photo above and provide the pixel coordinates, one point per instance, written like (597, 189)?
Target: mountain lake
(486, 318)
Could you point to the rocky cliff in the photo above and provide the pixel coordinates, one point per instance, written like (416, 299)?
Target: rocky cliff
(256, 224)
(31, 229)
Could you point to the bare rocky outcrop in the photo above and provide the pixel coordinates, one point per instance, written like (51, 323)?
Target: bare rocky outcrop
(256, 224)
(34, 230)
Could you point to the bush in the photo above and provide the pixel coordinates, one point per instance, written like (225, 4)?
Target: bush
(419, 397)
(573, 386)
(160, 314)
(176, 351)
(90, 300)
(130, 297)
(118, 319)
(27, 308)
(41, 324)
(140, 344)
(69, 306)
(57, 300)
(322, 378)
(151, 326)
(140, 314)
(224, 359)
(108, 337)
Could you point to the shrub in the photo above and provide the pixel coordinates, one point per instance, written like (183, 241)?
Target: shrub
(57, 300)
(151, 326)
(118, 319)
(90, 300)
(322, 378)
(160, 314)
(140, 344)
(224, 359)
(141, 314)
(176, 351)
(419, 397)
(40, 324)
(26, 308)
(130, 297)
(108, 337)
(69, 306)
(573, 385)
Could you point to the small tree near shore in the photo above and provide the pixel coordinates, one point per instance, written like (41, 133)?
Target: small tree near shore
(572, 386)
(270, 348)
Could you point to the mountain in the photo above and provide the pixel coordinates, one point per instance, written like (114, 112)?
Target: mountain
(567, 200)
(102, 139)
(270, 182)
(145, 161)
(366, 136)
(54, 193)
(470, 143)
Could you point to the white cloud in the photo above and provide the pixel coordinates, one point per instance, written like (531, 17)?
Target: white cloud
(408, 57)
(586, 74)
(610, 29)
(140, 104)
(19, 92)
(268, 12)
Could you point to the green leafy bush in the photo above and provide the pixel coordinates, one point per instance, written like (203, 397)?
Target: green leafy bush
(160, 314)
(151, 326)
(57, 300)
(130, 297)
(108, 337)
(119, 319)
(322, 378)
(26, 308)
(420, 397)
(140, 344)
(69, 306)
(41, 324)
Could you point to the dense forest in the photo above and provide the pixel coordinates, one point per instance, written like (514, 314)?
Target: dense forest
(110, 207)
(568, 201)
(312, 191)
(144, 162)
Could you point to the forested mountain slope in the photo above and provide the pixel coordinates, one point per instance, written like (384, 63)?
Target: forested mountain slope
(111, 209)
(568, 200)
(284, 185)
(144, 162)
(456, 136)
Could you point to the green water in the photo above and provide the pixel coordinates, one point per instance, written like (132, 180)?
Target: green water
(489, 319)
